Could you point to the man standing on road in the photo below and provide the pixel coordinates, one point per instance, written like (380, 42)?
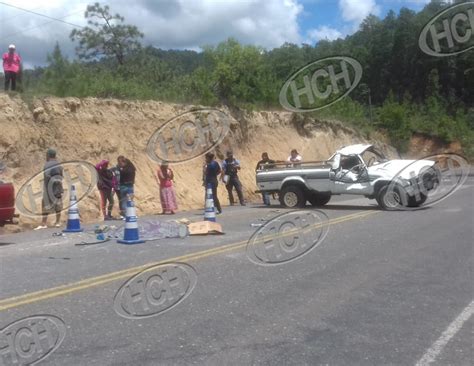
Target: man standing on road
(265, 163)
(212, 170)
(11, 67)
(52, 189)
(231, 166)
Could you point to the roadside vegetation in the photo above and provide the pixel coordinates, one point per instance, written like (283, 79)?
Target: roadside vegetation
(409, 91)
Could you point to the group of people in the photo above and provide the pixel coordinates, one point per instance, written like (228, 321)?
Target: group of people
(11, 67)
(119, 181)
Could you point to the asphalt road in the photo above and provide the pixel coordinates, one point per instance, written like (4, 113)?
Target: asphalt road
(382, 288)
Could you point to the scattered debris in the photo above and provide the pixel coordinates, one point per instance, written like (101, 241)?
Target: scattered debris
(154, 230)
(92, 242)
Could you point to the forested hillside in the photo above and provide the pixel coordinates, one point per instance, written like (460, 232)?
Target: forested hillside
(410, 91)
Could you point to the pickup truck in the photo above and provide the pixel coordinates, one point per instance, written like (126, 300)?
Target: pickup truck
(7, 201)
(356, 169)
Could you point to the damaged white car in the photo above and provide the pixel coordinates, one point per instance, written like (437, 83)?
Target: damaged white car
(356, 169)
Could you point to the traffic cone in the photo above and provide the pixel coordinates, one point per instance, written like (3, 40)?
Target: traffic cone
(73, 223)
(209, 210)
(130, 233)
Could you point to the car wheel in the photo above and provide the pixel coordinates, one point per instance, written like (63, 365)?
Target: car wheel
(389, 199)
(292, 197)
(319, 199)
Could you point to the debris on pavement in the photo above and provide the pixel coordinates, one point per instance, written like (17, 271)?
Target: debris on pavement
(154, 230)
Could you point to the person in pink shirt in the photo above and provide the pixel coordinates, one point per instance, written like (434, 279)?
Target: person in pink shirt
(11, 67)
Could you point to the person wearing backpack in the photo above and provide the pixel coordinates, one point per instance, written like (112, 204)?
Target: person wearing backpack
(52, 189)
(230, 167)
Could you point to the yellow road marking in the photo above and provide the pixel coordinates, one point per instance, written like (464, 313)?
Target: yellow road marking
(113, 276)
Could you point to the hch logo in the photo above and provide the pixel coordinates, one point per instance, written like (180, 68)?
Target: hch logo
(321, 83)
(188, 136)
(420, 188)
(287, 237)
(450, 32)
(30, 340)
(30, 197)
(155, 290)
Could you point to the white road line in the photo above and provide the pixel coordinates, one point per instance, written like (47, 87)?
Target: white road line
(449, 333)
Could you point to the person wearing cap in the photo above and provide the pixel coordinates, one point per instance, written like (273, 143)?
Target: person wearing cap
(105, 184)
(11, 67)
(230, 167)
(52, 189)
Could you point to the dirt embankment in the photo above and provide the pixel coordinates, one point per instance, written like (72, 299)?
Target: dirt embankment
(93, 129)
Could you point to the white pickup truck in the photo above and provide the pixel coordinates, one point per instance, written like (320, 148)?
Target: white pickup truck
(356, 169)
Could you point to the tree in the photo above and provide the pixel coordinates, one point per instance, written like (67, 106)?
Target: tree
(59, 73)
(105, 35)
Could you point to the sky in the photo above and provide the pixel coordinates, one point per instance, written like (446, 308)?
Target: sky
(189, 24)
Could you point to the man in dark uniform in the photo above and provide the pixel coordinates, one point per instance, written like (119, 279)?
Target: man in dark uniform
(212, 170)
(231, 166)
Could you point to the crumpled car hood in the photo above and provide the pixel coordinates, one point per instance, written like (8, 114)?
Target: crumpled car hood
(399, 167)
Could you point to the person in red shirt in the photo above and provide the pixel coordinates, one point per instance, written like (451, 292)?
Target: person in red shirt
(11, 67)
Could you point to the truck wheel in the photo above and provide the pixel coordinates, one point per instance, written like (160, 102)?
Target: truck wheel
(319, 199)
(389, 199)
(292, 196)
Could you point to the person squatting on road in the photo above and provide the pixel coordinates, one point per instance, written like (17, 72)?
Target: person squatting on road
(11, 67)
(265, 163)
(211, 171)
(105, 185)
(230, 167)
(127, 181)
(52, 189)
(167, 193)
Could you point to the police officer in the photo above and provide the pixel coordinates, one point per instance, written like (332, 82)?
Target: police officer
(230, 167)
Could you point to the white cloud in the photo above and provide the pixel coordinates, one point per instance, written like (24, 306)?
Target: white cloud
(324, 32)
(356, 10)
(166, 24)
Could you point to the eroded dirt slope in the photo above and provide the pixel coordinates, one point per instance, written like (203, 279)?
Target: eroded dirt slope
(93, 129)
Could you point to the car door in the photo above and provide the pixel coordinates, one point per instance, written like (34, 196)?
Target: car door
(350, 176)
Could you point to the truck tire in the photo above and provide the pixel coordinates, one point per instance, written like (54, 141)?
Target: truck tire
(389, 200)
(319, 199)
(292, 197)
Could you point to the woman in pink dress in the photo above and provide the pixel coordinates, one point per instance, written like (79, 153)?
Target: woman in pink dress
(167, 194)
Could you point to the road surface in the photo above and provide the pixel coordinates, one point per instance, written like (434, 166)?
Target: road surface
(383, 288)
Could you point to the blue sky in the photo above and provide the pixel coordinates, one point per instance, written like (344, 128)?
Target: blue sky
(190, 24)
(332, 18)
